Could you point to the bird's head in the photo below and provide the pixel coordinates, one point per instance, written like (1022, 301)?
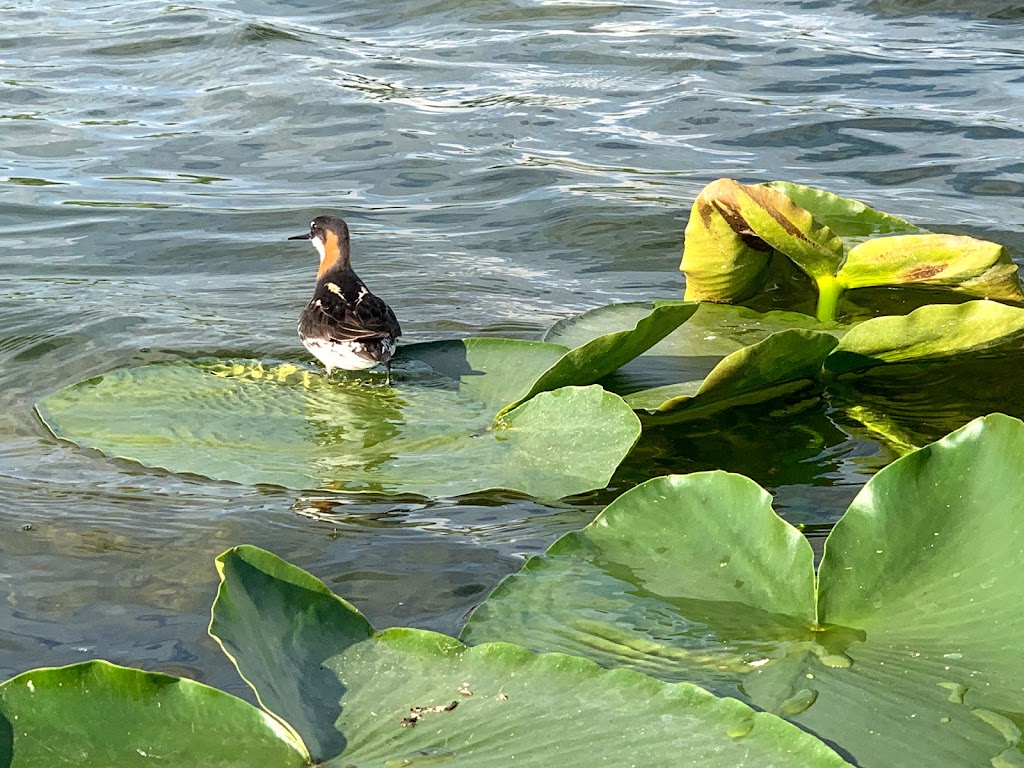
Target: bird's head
(329, 235)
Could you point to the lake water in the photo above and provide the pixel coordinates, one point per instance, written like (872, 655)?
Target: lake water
(501, 165)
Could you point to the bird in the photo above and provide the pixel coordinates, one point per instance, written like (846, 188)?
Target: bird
(344, 326)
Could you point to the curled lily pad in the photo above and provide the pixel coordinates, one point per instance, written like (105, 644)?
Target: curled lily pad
(789, 229)
(435, 434)
(721, 357)
(96, 715)
(723, 259)
(734, 229)
(904, 653)
(850, 219)
(409, 697)
(964, 264)
(597, 357)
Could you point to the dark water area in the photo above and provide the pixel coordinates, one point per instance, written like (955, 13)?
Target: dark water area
(502, 165)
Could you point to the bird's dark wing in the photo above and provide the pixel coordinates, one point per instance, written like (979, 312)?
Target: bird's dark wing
(347, 311)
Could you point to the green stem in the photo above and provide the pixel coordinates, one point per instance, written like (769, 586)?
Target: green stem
(830, 290)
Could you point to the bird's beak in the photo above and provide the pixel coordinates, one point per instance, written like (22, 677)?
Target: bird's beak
(307, 236)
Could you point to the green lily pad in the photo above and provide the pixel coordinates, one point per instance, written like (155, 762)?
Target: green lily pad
(592, 359)
(850, 219)
(783, 363)
(909, 656)
(97, 715)
(247, 423)
(964, 264)
(435, 434)
(721, 357)
(484, 370)
(933, 332)
(409, 697)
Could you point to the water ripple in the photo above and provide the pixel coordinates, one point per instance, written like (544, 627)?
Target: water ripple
(502, 163)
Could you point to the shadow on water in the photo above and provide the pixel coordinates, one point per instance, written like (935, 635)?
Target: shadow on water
(446, 358)
(784, 442)
(6, 742)
(910, 405)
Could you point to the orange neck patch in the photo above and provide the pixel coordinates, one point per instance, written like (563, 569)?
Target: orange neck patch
(334, 252)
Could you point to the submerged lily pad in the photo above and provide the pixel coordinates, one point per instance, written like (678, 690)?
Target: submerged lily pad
(435, 434)
(96, 715)
(723, 260)
(409, 697)
(248, 423)
(721, 357)
(903, 652)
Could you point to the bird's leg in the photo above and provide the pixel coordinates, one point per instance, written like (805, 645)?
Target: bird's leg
(387, 368)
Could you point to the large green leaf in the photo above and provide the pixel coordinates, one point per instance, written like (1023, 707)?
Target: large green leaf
(721, 357)
(712, 331)
(434, 434)
(686, 577)
(96, 714)
(911, 655)
(850, 219)
(929, 562)
(965, 264)
(597, 357)
(485, 369)
(934, 332)
(248, 423)
(351, 693)
(491, 371)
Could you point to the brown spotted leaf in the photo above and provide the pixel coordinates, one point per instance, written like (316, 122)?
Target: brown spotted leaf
(724, 261)
(965, 264)
(790, 230)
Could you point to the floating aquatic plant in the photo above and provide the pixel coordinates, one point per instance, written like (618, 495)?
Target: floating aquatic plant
(334, 692)
(739, 237)
(902, 650)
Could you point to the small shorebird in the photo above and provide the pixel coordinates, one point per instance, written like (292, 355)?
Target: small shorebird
(344, 325)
